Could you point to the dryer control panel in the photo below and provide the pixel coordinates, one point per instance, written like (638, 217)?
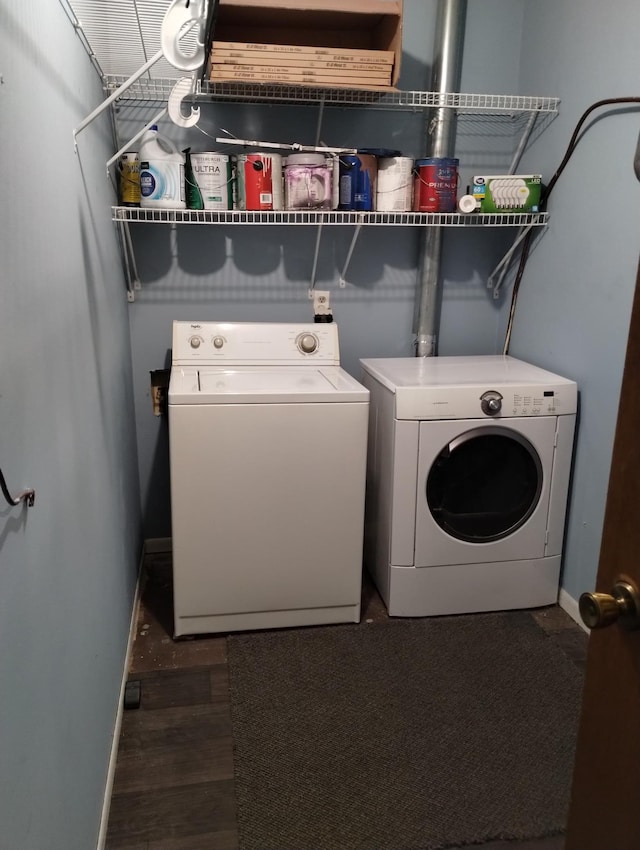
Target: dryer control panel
(255, 343)
(478, 403)
(472, 387)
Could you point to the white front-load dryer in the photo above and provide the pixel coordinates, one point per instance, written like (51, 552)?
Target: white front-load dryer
(468, 474)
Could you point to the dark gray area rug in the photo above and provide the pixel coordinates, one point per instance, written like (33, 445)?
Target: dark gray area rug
(402, 735)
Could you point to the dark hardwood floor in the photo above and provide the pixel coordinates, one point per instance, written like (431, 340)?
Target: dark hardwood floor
(173, 786)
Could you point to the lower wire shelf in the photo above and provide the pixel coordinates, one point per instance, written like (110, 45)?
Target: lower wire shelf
(333, 217)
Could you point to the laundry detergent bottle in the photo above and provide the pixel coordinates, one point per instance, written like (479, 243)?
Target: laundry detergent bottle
(161, 172)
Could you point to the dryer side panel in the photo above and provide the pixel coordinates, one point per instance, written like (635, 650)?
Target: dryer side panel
(560, 484)
(377, 524)
(405, 483)
(391, 487)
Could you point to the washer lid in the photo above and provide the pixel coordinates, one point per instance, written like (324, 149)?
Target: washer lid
(263, 385)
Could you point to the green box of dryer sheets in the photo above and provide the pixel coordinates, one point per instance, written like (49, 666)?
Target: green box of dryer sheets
(507, 193)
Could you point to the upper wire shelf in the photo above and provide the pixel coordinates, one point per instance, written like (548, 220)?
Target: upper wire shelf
(157, 90)
(312, 217)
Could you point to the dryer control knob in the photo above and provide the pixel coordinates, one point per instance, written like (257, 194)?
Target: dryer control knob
(195, 341)
(491, 402)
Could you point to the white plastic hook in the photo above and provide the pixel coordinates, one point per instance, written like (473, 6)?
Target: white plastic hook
(180, 17)
(183, 88)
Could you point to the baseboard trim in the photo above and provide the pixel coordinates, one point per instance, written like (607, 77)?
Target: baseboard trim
(113, 755)
(569, 604)
(157, 545)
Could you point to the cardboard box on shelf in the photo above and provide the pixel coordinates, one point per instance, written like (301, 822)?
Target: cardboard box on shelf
(356, 32)
(313, 79)
(294, 54)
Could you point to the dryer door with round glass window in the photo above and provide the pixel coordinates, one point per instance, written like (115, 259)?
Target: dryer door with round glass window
(485, 489)
(484, 484)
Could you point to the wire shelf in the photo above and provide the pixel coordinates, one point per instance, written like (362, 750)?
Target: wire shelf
(157, 90)
(334, 217)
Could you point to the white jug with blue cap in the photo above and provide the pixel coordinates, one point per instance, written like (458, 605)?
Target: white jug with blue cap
(161, 172)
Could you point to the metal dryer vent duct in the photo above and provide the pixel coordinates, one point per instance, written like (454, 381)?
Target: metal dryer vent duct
(441, 133)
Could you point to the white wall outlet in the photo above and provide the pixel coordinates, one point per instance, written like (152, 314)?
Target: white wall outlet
(321, 302)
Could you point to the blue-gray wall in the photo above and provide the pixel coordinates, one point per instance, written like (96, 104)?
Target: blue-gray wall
(575, 301)
(74, 386)
(262, 273)
(68, 565)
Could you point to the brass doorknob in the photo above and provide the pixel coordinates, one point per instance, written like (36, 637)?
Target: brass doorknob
(622, 605)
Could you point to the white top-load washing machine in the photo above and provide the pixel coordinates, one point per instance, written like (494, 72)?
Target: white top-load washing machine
(468, 475)
(267, 438)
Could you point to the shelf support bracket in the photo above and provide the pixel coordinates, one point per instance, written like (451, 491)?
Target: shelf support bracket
(320, 117)
(316, 254)
(115, 95)
(503, 266)
(523, 142)
(127, 147)
(130, 268)
(354, 239)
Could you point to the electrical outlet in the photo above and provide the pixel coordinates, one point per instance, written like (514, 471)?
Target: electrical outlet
(321, 302)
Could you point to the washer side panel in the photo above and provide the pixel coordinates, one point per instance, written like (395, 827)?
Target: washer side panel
(267, 506)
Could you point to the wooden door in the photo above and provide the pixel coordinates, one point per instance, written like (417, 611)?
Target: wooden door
(605, 803)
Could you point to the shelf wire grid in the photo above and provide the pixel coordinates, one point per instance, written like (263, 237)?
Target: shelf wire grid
(124, 34)
(334, 217)
(159, 89)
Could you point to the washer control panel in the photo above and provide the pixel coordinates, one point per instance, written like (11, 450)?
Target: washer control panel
(252, 343)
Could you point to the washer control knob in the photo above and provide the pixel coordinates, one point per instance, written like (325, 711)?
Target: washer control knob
(491, 402)
(195, 341)
(307, 343)
(218, 342)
